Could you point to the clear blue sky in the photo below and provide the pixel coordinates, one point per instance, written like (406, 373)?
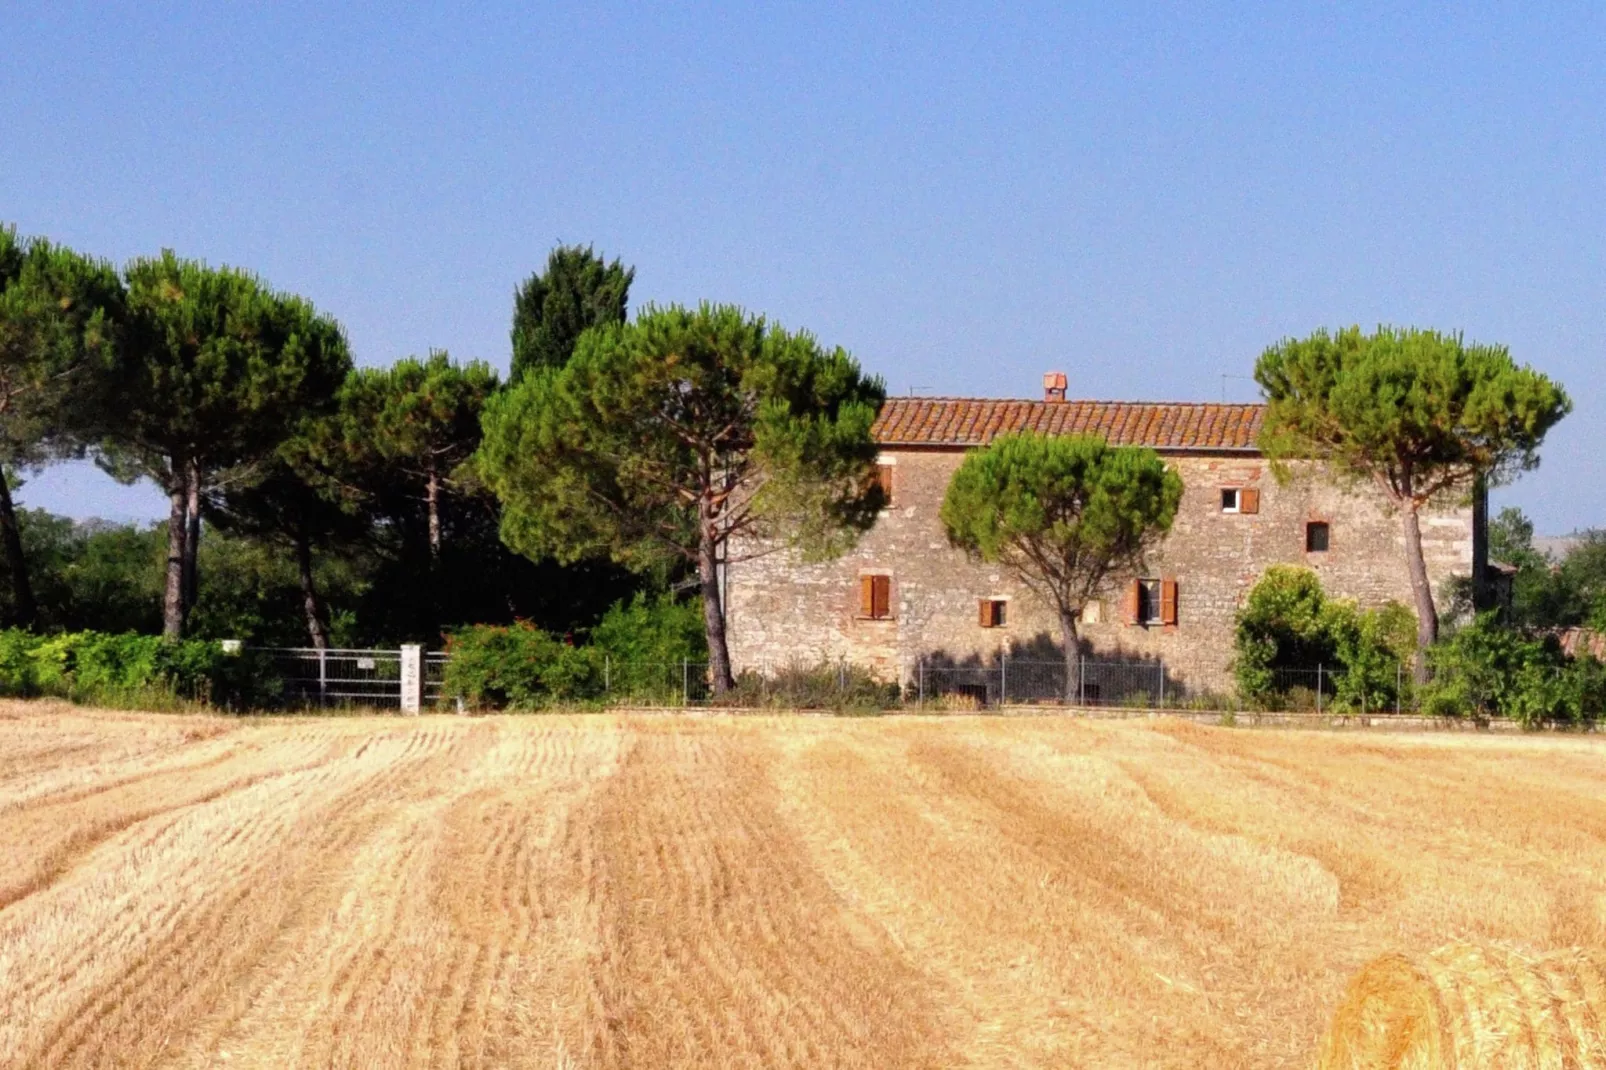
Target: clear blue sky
(1143, 197)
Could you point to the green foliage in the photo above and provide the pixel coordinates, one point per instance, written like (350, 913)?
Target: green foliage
(216, 366)
(646, 633)
(402, 433)
(519, 666)
(127, 670)
(551, 310)
(1066, 514)
(636, 652)
(684, 409)
(59, 321)
(683, 439)
(1419, 411)
(1488, 669)
(1288, 628)
(1416, 413)
(1550, 594)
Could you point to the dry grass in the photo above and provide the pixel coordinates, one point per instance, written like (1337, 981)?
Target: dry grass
(1467, 1005)
(659, 892)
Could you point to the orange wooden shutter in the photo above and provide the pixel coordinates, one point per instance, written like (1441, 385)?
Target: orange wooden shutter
(881, 597)
(1249, 500)
(1168, 601)
(1132, 603)
(984, 613)
(883, 477)
(866, 596)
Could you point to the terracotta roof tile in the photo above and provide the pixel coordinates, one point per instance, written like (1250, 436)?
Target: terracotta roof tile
(1179, 425)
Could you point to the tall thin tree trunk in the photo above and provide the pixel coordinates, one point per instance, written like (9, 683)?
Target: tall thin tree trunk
(719, 658)
(432, 496)
(177, 528)
(192, 534)
(317, 630)
(1073, 657)
(26, 611)
(1427, 615)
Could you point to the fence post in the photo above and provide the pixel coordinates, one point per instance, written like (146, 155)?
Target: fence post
(607, 674)
(685, 681)
(1162, 683)
(412, 677)
(1081, 679)
(323, 676)
(1399, 684)
(922, 665)
(1318, 688)
(1003, 679)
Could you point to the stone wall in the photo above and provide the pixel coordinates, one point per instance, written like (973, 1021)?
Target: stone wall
(783, 612)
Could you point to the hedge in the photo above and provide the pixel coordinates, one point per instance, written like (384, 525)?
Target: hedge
(130, 669)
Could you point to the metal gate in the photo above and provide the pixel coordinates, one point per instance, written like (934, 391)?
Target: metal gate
(312, 677)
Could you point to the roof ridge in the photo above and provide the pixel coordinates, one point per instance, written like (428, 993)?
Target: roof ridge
(1074, 401)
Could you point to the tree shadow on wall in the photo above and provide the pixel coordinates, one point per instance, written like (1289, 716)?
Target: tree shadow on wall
(1035, 672)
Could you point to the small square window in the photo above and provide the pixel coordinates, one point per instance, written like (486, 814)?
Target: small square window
(1152, 601)
(1316, 537)
(993, 612)
(1229, 499)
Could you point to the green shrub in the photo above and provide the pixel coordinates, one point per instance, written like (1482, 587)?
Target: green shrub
(125, 669)
(646, 642)
(519, 666)
(1289, 626)
(1487, 669)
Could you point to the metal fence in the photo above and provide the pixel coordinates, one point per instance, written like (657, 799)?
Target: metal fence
(307, 677)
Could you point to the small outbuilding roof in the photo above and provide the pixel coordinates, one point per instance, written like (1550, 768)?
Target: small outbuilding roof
(1160, 425)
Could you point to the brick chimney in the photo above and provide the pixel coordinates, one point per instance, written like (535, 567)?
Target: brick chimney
(1053, 386)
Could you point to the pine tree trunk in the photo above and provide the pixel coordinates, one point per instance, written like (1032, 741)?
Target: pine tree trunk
(192, 534)
(177, 528)
(26, 612)
(310, 603)
(719, 658)
(1073, 657)
(432, 496)
(1427, 615)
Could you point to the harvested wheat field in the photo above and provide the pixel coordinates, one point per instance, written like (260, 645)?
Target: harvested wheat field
(606, 891)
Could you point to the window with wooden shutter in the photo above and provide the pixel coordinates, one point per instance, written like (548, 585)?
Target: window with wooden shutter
(1168, 602)
(883, 479)
(1132, 603)
(1249, 500)
(991, 612)
(875, 597)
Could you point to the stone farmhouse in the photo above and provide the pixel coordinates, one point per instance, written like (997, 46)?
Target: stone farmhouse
(903, 593)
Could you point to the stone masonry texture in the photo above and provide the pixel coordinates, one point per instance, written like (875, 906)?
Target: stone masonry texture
(783, 612)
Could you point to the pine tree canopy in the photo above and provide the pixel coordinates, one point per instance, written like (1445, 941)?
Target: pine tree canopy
(577, 291)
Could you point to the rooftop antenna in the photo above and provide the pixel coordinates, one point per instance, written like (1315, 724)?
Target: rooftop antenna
(915, 389)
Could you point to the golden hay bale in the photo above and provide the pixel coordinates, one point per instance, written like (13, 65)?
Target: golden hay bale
(1466, 1006)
